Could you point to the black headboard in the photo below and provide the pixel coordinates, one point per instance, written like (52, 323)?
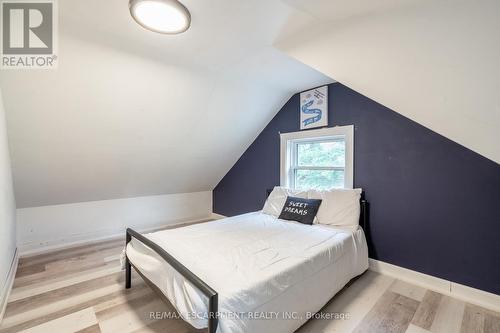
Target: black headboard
(363, 205)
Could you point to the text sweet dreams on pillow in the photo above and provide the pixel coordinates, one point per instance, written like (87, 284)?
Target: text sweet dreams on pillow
(296, 207)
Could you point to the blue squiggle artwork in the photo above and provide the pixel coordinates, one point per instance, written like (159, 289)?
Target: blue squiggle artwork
(314, 108)
(317, 112)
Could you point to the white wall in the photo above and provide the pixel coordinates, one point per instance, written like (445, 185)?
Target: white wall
(50, 227)
(435, 62)
(7, 208)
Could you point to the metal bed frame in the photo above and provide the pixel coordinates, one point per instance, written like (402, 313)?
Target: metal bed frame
(211, 294)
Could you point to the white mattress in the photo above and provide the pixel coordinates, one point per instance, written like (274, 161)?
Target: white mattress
(259, 265)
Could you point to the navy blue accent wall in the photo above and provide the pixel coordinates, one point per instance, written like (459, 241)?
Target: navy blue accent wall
(434, 204)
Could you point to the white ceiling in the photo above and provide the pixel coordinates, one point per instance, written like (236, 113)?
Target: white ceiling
(435, 62)
(129, 112)
(338, 10)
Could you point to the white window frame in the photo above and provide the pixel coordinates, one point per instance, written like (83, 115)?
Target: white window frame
(289, 143)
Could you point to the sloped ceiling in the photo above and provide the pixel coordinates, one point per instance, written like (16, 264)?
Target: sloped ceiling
(435, 62)
(129, 112)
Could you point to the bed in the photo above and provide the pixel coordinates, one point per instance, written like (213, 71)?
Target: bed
(248, 273)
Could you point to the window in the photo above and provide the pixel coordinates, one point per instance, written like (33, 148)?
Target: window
(317, 159)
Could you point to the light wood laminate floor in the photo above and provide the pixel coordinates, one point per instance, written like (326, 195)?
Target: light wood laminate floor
(82, 290)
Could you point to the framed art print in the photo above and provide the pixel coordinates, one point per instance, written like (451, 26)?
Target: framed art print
(314, 108)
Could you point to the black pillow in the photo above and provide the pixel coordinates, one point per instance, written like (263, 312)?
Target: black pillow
(300, 210)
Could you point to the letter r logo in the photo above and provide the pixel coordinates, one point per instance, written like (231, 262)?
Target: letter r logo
(27, 27)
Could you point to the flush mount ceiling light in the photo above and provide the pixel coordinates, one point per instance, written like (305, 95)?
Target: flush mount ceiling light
(163, 16)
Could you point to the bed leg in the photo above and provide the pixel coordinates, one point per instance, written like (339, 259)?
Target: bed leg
(213, 314)
(128, 275)
(128, 267)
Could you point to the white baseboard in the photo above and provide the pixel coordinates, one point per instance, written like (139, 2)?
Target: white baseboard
(449, 288)
(216, 216)
(80, 240)
(4, 296)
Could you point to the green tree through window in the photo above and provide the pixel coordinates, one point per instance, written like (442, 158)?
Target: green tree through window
(319, 164)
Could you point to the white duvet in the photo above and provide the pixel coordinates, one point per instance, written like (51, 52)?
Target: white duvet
(270, 274)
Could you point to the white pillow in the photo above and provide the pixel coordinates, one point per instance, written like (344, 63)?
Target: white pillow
(276, 200)
(339, 207)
